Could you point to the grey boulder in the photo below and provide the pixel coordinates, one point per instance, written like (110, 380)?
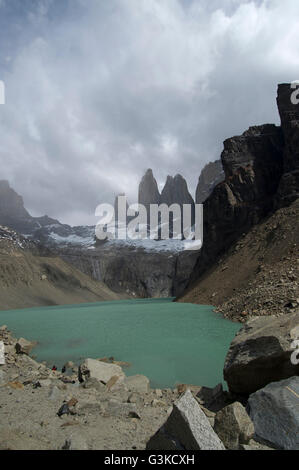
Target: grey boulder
(274, 411)
(233, 426)
(261, 353)
(137, 383)
(187, 428)
(101, 371)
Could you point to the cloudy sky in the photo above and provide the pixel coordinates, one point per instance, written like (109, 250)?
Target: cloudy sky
(97, 91)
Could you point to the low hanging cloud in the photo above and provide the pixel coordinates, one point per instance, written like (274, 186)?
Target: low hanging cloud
(97, 92)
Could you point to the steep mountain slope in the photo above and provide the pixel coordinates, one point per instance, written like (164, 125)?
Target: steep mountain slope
(30, 277)
(259, 274)
(261, 175)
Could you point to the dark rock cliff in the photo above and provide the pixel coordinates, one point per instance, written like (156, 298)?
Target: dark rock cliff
(137, 273)
(176, 191)
(148, 192)
(261, 173)
(289, 113)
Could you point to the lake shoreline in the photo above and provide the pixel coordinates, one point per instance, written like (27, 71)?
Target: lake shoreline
(158, 337)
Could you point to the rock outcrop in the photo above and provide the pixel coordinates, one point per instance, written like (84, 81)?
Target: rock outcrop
(261, 353)
(253, 166)
(289, 114)
(137, 383)
(261, 174)
(211, 175)
(176, 191)
(101, 371)
(233, 426)
(148, 192)
(275, 413)
(187, 428)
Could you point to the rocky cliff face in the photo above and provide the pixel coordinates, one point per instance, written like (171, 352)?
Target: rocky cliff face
(176, 191)
(289, 113)
(134, 272)
(261, 173)
(253, 166)
(211, 175)
(148, 192)
(11, 204)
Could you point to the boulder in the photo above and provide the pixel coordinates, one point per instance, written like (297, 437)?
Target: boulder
(274, 411)
(209, 414)
(24, 347)
(187, 428)
(93, 369)
(212, 398)
(261, 353)
(233, 426)
(137, 383)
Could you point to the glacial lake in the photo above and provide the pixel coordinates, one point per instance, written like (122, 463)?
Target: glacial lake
(168, 342)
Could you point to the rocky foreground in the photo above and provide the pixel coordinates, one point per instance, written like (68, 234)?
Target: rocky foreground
(96, 406)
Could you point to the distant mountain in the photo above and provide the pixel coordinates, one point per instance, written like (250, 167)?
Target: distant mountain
(176, 191)
(210, 176)
(142, 268)
(44, 229)
(148, 192)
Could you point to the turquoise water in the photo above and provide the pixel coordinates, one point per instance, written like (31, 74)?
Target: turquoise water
(167, 341)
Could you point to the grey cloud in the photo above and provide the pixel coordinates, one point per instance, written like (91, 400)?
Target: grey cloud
(97, 92)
